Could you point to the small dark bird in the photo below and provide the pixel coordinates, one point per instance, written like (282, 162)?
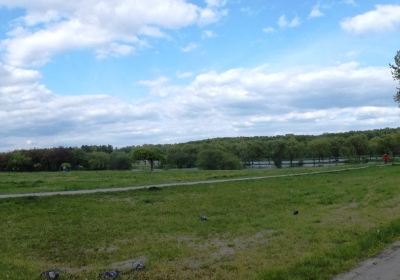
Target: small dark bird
(203, 218)
(138, 265)
(109, 275)
(296, 212)
(50, 275)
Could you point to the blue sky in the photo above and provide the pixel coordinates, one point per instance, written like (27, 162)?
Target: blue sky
(128, 72)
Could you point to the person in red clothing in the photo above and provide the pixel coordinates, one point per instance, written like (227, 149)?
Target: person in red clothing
(386, 158)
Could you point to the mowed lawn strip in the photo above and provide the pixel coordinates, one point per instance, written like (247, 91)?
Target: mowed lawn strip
(251, 232)
(31, 182)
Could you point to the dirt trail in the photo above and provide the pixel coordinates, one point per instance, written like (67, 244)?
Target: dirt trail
(125, 189)
(383, 267)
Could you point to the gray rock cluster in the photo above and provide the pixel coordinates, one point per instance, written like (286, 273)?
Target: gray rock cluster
(109, 275)
(138, 265)
(203, 218)
(50, 275)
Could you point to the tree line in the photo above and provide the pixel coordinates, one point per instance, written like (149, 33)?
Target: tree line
(217, 153)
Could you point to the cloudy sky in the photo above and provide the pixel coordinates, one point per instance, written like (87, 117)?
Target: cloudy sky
(126, 72)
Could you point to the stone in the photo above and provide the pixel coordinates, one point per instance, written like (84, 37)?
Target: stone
(109, 275)
(138, 265)
(50, 275)
(203, 218)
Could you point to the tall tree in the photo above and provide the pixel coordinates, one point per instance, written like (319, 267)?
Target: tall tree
(99, 160)
(149, 153)
(294, 149)
(396, 75)
(214, 158)
(278, 147)
(358, 145)
(319, 148)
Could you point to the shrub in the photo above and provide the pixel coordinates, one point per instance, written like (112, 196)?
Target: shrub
(120, 161)
(99, 160)
(216, 159)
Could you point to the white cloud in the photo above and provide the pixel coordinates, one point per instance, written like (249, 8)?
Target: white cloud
(240, 101)
(382, 18)
(350, 2)
(52, 27)
(216, 3)
(159, 87)
(269, 29)
(283, 22)
(316, 12)
(114, 49)
(209, 34)
(184, 75)
(189, 47)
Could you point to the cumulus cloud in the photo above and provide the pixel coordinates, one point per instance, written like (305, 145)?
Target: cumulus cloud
(208, 34)
(269, 29)
(189, 47)
(316, 12)
(350, 2)
(184, 75)
(240, 101)
(283, 22)
(109, 27)
(382, 18)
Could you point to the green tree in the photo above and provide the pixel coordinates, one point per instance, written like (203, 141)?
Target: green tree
(212, 158)
(396, 74)
(182, 156)
(120, 161)
(149, 153)
(80, 159)
(374, 147)
(319, 148)
(65, 166)
(393, 141)
(336, 144)
(358, 145)
(99, 160)
(19, 162)
(278, 150)
(294, 149)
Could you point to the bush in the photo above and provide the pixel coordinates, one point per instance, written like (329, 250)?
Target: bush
(19, 162)
(120, 161)
(65, 166)
(215, 159)
(99, 160)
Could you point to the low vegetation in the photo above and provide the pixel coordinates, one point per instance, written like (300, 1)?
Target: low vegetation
(251, 231)
(27, 182)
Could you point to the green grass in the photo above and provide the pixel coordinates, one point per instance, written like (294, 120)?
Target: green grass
(251, 232)
(23, 182)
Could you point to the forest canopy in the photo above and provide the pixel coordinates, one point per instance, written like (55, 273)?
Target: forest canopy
(217, 153)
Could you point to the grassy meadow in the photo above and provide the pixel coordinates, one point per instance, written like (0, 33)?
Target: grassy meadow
(251, 232)
(27, 182)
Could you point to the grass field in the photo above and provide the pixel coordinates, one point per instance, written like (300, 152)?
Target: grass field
(24, 182)
(251, 232)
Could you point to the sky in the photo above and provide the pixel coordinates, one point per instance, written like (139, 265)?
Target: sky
(130, 72)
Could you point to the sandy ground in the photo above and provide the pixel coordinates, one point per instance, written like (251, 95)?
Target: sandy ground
(385, 266)
(125, 189)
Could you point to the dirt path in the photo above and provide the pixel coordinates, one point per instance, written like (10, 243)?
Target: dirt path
(125, 189)
(383, 267)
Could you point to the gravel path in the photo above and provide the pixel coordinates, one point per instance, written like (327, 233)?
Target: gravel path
(383, 267)
(125, 189)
